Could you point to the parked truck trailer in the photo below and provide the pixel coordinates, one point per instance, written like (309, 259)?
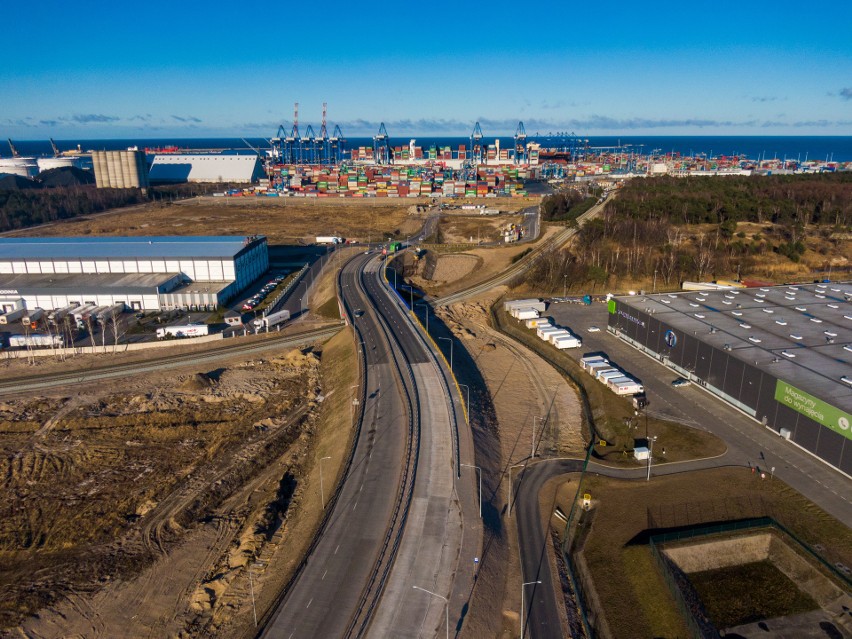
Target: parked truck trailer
(35, 339)
(12, 316)
(329, 239)
(185, 330)
(273, 319)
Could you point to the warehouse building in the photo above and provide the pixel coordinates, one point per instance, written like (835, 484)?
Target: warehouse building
(146, 273)
(120, 169)
(781, 354)
(209, 167)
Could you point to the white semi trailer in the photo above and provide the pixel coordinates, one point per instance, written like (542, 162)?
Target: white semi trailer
(12, 316)
(273, 319)
(36, 339)
(186, 330)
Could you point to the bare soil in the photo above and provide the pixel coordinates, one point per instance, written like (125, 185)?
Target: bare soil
(509, 387)
(475, 229)
(287, 221)
(133, 510)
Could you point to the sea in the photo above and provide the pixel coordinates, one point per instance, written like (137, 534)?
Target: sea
(800, 148)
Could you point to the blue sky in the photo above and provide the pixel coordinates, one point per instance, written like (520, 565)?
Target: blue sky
(192, 69)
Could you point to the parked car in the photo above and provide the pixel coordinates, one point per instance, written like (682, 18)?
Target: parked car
(593, 329)
(680, 382)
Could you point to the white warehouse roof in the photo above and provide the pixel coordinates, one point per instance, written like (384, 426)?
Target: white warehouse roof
(208, 167)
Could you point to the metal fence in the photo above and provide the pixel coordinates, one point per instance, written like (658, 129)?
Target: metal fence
(279, 299)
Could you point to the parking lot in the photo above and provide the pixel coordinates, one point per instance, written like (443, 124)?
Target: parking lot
(748, 441)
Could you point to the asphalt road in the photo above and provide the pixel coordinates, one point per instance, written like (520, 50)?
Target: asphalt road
(327, 593)
(748, 443)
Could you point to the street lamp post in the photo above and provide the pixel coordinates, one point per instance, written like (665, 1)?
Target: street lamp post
(306, 293)
(467, 388)
(532, 454)
(426, 306)
(650, 455)
(446, 602)
(564, 285)
(523, 587)
(451, 351)
(322, 490)
(480, 486)
(511, 468)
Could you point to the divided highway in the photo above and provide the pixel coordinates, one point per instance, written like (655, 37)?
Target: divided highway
(395, 522)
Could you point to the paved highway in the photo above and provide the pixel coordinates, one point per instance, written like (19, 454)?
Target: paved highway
(396, 521)
(329, 593)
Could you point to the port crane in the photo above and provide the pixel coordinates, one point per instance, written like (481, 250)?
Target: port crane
(56, 152)
(476, 154)
(381, 146)
(15, 153)
(292, 143)
(520, 144)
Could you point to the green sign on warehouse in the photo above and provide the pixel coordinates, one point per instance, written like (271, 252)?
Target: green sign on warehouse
(819, 411)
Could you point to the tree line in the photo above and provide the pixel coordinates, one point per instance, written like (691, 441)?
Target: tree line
(21, 209)
(672, 229)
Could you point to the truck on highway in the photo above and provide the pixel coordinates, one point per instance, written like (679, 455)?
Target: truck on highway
(12, 316)
(273, 319)
(185, 330)
(35, 339)
(329, 239)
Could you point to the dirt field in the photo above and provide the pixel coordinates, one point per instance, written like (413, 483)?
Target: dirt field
(509, 387)
(286, 221)
(635, 598)
(458, 229)
(153, 495)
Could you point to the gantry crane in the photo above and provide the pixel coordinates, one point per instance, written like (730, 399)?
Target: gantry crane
(381, 147)
(520, 144)
(476, 154)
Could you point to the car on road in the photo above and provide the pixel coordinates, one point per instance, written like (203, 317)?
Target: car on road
(593, 329)
(680, 382)
(358, 312)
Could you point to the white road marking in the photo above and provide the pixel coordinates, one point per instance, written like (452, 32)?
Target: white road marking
(323, 575)
(309, 603)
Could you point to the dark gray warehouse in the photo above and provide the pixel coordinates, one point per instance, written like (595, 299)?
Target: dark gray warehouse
(781, 354)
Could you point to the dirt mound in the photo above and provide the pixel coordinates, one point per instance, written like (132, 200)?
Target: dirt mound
(65, 176)
(198, 382)
(454, 267)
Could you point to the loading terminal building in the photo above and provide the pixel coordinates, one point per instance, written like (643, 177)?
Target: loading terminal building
(146, 273)
(781, 354)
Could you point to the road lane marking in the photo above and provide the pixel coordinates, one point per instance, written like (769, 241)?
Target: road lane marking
(323, 575)
(309, 603)
(336, 549)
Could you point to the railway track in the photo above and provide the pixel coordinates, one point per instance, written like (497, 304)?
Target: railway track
(164, 361)
(522, 266)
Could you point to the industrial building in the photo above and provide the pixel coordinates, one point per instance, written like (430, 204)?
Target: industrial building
(781, 354)
(120, 169)
(208, 167)
(146, 273)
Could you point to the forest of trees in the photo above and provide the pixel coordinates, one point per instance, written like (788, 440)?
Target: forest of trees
(687, 228)
(21, 209)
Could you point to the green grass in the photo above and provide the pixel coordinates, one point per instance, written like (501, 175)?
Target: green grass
(752, 592)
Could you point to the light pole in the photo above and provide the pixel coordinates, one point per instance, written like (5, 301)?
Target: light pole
(446, 602)
(306, 293)
(523, 587)
(511, 468)
(480, 486)
(451, 351)
(532, 454)
(650, 455)
(251, 589)
(564, 285)
(467, 388)
(426, 306)
(322, 491)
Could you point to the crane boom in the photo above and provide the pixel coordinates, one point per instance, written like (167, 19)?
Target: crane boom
(14, 150)
(56, 152)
